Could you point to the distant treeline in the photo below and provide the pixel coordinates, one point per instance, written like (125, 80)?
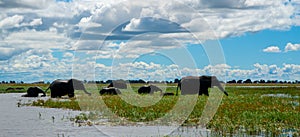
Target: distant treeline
(96, 82)
(132, 81)
(264, 81)
(174, 81)
(11, 82)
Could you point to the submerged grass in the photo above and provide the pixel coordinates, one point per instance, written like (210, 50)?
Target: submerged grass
(246, 110)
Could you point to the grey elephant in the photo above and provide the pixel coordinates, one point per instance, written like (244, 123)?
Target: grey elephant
(34, 92)
(198, 85)
(120, 84)
(148, 89)
(110, 91)
(65, 87)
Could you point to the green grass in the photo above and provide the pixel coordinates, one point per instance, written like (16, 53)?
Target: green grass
(3, 87)
(245, 110)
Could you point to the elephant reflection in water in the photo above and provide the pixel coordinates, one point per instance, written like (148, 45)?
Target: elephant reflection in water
(66, 87)
(198, 85)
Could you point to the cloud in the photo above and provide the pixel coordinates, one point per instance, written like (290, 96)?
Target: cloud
(36, 22)
(149, 24)
(40, 64)
(291, 69)
(8, 52)
(273, 49)
(291, 47)
(96, 19)
(10, 22)
(86, 22)
(29, 25)
(68, 54)
(35, 65)
(153, 71)
(19, 42)
(224, 3)
(36, 39)
(266, 72)
(23, 4)
(206, 19)
(18, 21)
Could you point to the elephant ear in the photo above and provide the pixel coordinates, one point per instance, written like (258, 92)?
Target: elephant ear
(75, 82)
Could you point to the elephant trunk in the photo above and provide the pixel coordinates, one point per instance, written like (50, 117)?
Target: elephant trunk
(44, 94)
(41, 91)
(222, 89)
(87, 92)
(47, 89)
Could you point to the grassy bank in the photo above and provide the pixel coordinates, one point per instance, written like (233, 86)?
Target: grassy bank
(251, 111)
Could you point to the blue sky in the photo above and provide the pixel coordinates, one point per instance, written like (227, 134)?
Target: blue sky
(245, 50)
(150, 40)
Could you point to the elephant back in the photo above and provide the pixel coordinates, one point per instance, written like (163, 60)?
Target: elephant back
(144, 89)
(109, 91)
(120, 84)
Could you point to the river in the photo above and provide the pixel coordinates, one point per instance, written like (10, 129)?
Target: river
(28, 121)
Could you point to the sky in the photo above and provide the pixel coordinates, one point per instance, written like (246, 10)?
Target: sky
(151, 40)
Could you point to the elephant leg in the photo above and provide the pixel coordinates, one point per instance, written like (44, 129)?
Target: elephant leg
(151, 91)
(205, 92)
(53, 95)
(200, 92)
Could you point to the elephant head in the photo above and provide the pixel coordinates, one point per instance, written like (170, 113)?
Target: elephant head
(66, 87)
(77, 85)
(198, 84)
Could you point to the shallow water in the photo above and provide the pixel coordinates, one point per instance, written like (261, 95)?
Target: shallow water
(35, 121)
(280, 95)
(28, 121)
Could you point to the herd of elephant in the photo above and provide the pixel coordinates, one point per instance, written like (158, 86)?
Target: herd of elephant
(188, 85)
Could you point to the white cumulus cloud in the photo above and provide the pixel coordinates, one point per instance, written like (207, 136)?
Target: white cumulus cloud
(273, 49)
(291, 47)
(11, 22)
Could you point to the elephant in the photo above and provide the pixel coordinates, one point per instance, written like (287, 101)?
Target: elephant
(198, 85)
(148, 89)
(34, 92)
(17, 89)
(10, 89)
(120, 84)
(168, 94)
(66, 87)
(110, 91)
